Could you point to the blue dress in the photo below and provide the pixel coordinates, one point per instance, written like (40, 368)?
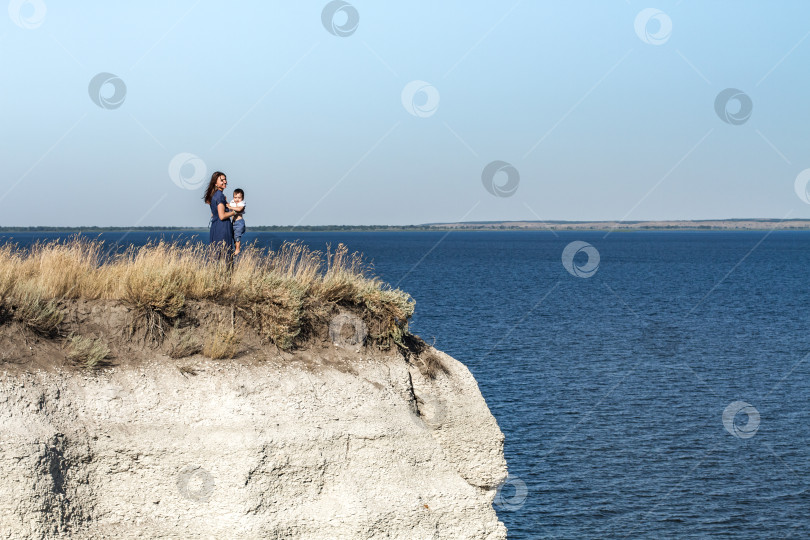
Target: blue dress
(221, 230)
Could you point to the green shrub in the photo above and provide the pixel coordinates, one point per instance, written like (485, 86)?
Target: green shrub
(87, 352)
(41, 316)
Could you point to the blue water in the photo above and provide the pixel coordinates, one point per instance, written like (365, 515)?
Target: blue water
(611, 389)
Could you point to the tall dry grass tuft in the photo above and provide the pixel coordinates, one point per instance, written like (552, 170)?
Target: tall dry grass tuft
(153, 281)
(7, 267)
(41, 315)
(344, 274)
(274, 306)
(285, 294)
(58, 269)
(87, 352)
(224, 343)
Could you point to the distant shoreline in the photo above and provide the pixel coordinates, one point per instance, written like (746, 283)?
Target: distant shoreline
(685, 225)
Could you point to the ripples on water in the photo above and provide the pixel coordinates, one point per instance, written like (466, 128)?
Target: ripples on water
(611, 389)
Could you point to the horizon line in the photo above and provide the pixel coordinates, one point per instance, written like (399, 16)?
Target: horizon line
(516, 224)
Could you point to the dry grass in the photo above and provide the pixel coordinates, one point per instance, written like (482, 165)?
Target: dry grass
(87, 352)
(30, 308)
(224, 343)
(285, 295)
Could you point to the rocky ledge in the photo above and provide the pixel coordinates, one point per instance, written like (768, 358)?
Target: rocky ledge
(357, 446)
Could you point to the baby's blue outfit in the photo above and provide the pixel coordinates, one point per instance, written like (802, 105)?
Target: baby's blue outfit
(238, 229)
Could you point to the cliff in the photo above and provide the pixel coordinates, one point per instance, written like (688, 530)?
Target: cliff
(155, 392)
(322, 443)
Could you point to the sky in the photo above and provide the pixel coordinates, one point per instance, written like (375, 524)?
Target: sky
(117, 114)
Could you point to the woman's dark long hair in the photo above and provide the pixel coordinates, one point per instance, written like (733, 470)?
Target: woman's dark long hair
(212, 187)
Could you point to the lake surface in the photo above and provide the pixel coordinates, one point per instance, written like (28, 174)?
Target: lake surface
(611, 389)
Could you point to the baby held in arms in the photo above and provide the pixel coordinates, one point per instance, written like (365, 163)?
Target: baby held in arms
(238, 205)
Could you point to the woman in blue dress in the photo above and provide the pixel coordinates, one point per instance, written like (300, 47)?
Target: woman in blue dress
(221, 232)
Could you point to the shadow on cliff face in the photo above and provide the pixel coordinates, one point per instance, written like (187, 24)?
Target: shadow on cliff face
(423, 356)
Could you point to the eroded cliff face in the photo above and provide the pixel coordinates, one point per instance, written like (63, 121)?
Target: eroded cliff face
(366, 448)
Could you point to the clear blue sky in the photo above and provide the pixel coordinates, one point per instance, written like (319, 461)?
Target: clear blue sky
(598, 123)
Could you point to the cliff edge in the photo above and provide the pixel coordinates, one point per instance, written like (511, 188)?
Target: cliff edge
(325, 443)
(156, 392)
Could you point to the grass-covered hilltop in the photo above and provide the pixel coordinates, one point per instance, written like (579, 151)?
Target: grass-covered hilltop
(151, 392)
(79, 303)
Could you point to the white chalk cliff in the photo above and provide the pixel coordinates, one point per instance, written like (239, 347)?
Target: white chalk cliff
(367, 448)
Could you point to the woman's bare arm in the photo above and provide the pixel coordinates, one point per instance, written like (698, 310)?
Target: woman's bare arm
(224, 214)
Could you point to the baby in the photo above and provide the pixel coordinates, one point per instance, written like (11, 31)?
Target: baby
(238, 204)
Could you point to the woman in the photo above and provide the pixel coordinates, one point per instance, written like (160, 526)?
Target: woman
(221, 233)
